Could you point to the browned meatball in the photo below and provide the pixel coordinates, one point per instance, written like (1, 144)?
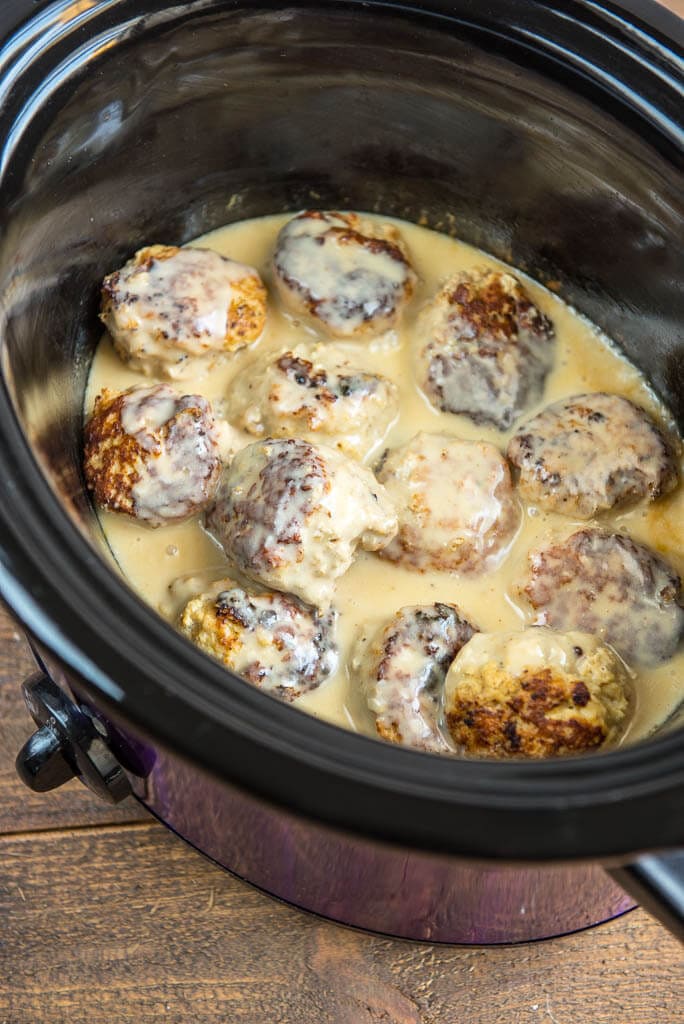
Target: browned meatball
(455, 502)
(348, 276)
(291, 515)
(401, 670)
(271, 640)
(484, 348)
(590, 453)
(174, 312)
(314, 393)
(152, 453)
(607, 584)
(535, 693)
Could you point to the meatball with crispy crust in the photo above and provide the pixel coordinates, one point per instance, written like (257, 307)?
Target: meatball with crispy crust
(536, 693)
(607, 584)
(271, 640)
(455, 502)
(290, 515)
(175, 312)
(348, 276)
(315, 394)
(152, 453)
(401, 671)
(590, 453)
(484, 349)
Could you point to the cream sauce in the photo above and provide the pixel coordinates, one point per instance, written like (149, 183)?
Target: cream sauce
(373, 589)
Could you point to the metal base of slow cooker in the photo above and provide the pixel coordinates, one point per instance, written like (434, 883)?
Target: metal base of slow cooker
(372, 886)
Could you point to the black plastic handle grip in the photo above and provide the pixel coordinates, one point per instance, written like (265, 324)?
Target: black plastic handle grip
(69, 743)
(656, 881)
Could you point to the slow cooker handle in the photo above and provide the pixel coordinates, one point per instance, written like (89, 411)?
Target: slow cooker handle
(656, 881)
(69, 743)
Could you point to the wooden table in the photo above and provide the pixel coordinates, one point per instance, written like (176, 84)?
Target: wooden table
(107, 918)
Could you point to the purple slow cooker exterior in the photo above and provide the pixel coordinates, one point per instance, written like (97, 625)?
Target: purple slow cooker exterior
(356, 880)
(418, 851)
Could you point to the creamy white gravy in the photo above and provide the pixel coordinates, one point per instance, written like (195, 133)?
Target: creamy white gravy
(373, 588)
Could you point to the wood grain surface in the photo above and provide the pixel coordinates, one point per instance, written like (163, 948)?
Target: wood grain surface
(106, 918)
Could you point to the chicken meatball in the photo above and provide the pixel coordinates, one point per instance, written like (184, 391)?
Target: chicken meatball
(349, 277)
(401, 670)
(290, 515)
(484, 348)
(317, 395)
(271, 640)
(174, 312)
(590, 453)
(536, 693)
(152, 453)
(607, 584)
(455, 502)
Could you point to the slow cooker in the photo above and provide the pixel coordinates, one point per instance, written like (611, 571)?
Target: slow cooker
(548, 132)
